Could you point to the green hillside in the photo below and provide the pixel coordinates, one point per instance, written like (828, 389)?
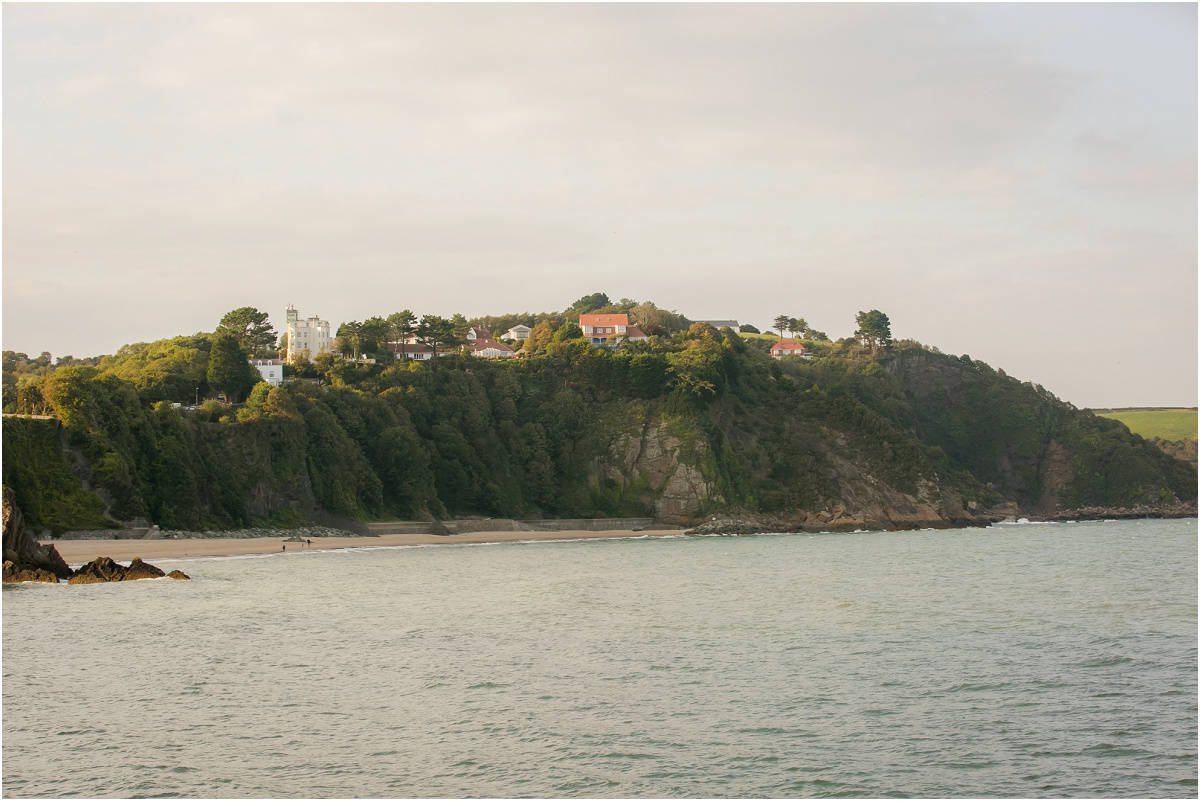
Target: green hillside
(688, 424)
(1169, 424)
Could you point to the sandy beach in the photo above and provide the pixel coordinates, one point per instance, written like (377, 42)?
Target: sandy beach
(79, 552)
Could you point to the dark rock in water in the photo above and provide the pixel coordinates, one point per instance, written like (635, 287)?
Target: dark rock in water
(140, 570)
(179, 574)
(105, 569)
(728, 528)
(28, 556)
(14, 574)
(98, 570)
(86, 578)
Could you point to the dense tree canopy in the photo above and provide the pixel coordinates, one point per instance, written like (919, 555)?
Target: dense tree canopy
(589, 303)
(229, 369)
(546, 435)
(251, 328)
(874, 330)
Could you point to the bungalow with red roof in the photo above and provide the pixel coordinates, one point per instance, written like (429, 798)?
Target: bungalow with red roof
(788, 347)
(599, 328)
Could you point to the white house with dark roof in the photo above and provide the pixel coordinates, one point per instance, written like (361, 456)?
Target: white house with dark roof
(271, 370)
(481, 344)
(518, 332)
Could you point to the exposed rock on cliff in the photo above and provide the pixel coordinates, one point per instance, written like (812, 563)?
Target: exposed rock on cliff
(25, 559)
(665, 474)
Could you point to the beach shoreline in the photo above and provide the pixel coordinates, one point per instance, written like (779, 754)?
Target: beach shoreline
(80, 552)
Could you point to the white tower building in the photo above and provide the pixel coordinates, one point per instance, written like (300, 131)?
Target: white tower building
(311, 335)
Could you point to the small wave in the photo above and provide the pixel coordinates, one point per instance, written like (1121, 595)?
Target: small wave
(975, 688)
(1110, 750)
(1108, 661)
(635, 755)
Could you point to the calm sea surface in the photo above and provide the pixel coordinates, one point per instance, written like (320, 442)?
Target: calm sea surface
(1024, 660)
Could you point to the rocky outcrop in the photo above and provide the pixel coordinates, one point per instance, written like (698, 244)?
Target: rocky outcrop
(1058, 471)
(16, 575)
(104, 569)
(25, 559)
(1172, 509)
(664, 473)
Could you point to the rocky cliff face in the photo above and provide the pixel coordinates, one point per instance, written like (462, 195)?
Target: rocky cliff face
(674, 475)
(663, 472)
(25, 559)
(867, 501)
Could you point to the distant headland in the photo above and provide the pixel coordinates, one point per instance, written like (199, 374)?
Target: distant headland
(604, 410)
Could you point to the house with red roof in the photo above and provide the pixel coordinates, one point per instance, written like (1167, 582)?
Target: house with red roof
(788, 347)
(600, 328)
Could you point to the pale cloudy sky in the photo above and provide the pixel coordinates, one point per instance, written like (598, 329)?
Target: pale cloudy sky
(1015, 182)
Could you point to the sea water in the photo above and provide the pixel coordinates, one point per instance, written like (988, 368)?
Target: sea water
(1026, 661)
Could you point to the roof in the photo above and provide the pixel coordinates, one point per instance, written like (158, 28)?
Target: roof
(483, 341)
(603, 319)
(411, 348)
(632, 332)
(787, 344)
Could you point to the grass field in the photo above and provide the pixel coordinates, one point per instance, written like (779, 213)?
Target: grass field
(1170, 424)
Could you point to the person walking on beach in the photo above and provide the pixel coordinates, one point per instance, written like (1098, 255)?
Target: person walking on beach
(283, 547)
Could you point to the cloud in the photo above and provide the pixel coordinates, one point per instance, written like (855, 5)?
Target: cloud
(719, 159)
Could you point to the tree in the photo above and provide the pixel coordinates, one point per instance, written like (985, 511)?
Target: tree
(328, 366)
(797, 325)
(749, 329)
(567, 330)
(349, 339)
(589, 303)
(229, 369)
(433, 331)
(539, 337)
(781, 323)
(401, 326)
(373, 335)
(250, 327)
(647, 316)
(461, 326)
(874, 329)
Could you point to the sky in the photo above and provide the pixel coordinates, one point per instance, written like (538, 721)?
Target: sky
(1012, 182)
